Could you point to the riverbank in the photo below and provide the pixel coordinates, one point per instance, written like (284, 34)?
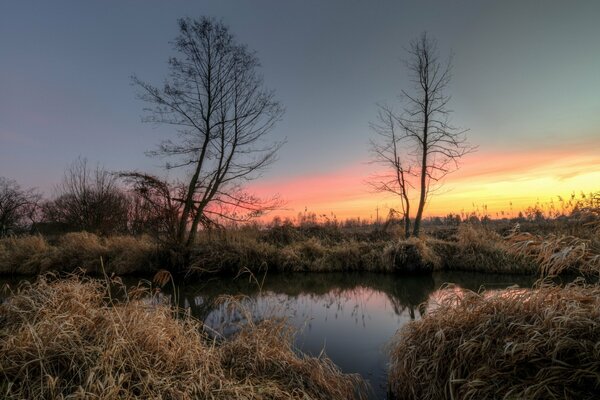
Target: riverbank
(515, 343)
(70, 337)
(490, 249)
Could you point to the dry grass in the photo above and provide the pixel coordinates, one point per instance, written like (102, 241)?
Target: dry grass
(556, 255)
(31, 255)
(413, 255)
(468, 248)
(128, 254)
(512, 344)
(483, 250)
(68, 339)
(236, 253)
(24, 255)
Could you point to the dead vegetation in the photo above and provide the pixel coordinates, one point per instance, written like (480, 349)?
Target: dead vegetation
(69, 339)
(490, 248)
(483, 250)
(512, 344)
(557, 254)
(32, 255)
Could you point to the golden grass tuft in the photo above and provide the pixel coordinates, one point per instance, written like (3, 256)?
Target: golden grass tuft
(412, 255)
(511, 344)
(24, 255)
(129, 254)
(557, 254)
(68, 339)
(483, 250)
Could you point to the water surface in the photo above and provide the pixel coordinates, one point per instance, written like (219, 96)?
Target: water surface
(350, 317)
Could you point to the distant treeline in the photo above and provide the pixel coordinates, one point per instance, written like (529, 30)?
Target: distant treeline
(95, 200)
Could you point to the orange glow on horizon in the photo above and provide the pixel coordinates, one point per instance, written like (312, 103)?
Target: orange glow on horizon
(506, 182)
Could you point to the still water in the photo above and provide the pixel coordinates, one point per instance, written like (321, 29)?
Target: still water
(350, 317)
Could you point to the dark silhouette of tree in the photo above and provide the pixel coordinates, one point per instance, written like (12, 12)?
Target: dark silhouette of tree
(89, 200)
(215, 99)
(431, 146)
(389, 151)
(17, 206)
(155, 206)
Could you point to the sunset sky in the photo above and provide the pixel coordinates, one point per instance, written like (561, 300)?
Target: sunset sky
(526, 83)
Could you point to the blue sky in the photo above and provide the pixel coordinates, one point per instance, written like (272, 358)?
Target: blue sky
(526, 76)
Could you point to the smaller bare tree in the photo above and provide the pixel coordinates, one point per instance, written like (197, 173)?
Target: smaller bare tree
(431, 147)
(17, 206)
(439, 144)
(388, 150)
(89, 199)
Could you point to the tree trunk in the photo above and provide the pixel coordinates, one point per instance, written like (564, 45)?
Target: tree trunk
(407, 220)
(417, 227)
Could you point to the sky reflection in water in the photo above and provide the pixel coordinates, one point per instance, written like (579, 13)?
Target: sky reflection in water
(351, 317)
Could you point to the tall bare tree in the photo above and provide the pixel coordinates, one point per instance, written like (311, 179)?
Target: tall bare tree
(215, 99)
(17, 206)
(432, 146)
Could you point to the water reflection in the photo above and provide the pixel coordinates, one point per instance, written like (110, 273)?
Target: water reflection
(351, 317)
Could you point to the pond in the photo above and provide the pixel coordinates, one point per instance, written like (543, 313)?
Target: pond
(350, 317)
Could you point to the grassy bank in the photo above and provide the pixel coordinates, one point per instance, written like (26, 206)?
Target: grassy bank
(68, 338)
(33, 255)
(533, 344)
(482, 248)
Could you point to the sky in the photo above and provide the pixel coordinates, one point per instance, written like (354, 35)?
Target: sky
(526, 83)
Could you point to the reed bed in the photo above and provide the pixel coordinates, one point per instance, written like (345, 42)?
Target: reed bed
(32, 255)
(480, 249)
(512, 344)
(556, 255)
(69, 339)
(468, 247)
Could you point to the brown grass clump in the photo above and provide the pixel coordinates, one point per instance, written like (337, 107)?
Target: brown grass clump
(68, 339)
(512, 344)
(483, 250)
(31, 255)
(24, 255)
(557, 255)
(128, 254)
(80, 250)
(412, 255)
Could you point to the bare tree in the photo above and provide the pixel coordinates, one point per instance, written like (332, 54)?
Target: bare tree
(388, 150)
(432, 146)
(17, 206)
(89, 199)
(215, 99)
